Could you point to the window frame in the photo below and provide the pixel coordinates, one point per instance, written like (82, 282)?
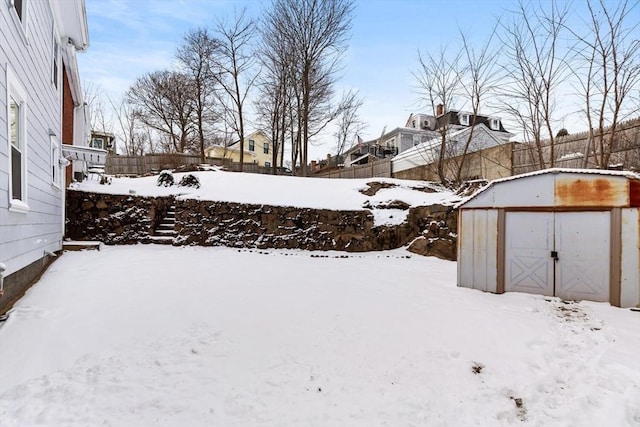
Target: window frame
(20, 17)
(55, 62)
(102, 143)
(265, 148)
(55, 161)
(267, 164)
(16, 92)
(252, 145)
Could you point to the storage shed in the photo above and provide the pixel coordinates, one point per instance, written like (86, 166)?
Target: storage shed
(570, 233)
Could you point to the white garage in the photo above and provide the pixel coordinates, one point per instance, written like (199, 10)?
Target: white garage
(570, 233)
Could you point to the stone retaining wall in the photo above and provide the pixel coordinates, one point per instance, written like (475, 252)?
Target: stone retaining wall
(118, 219)
(113, 219)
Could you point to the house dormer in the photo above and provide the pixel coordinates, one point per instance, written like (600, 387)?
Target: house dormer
(494, 123)
(464, 118)
(421, 121)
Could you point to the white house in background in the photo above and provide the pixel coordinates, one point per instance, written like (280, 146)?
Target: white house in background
(426, 153)
(425, 131)
(42, 114)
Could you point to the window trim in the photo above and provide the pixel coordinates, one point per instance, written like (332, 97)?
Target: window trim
(265, 148)
(17, 92)
(55, 161)
(252, 145)
(20, 21)
(56, 60)
(102, 143)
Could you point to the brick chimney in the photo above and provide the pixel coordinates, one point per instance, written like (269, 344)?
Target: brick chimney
(439, 110)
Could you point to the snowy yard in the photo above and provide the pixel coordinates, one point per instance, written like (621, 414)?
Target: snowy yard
(166, 336)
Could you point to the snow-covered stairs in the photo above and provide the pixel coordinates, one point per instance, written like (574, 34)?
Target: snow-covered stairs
(165, 233)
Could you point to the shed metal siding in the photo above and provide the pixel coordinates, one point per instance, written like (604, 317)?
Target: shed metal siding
(634, 194)
(533, 191)
(630, 259)
(591, 191)
(477, 267)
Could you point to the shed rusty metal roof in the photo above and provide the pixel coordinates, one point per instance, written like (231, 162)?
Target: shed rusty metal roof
(634, 189)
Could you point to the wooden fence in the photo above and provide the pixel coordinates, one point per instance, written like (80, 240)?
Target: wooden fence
(569, 151)
(154, 163)
(376, 169)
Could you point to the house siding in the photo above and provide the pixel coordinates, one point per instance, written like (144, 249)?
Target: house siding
(24, 237)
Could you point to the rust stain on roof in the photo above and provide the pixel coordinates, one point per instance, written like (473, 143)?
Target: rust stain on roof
(591, 192)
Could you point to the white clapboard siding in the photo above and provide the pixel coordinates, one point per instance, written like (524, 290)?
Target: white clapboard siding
(24, 237)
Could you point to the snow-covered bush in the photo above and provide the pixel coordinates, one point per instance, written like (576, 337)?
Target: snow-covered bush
(189, 180)
(165, 178)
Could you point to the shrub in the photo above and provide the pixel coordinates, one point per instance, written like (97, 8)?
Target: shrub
(165, 178)
(190, 180)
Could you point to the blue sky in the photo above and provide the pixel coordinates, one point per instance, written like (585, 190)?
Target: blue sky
(132, 37)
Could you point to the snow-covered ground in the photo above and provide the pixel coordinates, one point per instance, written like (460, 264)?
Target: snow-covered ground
(164, 336)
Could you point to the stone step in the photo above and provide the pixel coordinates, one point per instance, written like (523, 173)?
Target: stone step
(73, 245)
(161, 240)
(165, 232)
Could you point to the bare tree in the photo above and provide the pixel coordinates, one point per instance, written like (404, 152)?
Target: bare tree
(609, 53)
(198, 56)
(348, 123)
(439, 81)
(236, 62)
(273, 103)
(94, 98)
(478, 79)
(534, 68)
(315, 33)
(165, 102)
(136, 140)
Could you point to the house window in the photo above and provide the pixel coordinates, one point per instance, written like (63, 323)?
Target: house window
(97, 143)
(265, 148)
(54, 71)
(464, 119)
(15, 128)
(495, 124)
(19, 7)
(267, 164)
(252, 145)
(16, 113)
(413, 123)
(55, 161)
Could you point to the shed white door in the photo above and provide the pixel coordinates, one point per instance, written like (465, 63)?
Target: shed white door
(528, 245)
(583, 246)
(581, 241)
